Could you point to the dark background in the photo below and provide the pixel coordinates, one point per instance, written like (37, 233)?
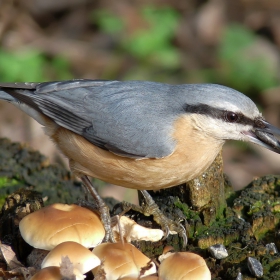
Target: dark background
(234, 43)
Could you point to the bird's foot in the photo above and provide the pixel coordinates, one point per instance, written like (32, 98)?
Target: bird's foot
(102, 209)
(151, 208)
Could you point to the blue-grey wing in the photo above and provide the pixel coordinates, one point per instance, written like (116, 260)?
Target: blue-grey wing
(132, 119)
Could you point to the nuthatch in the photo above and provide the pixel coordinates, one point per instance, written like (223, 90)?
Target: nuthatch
(140, 135)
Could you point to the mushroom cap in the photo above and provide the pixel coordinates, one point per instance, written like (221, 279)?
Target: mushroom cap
(48, 273)
(53, 273)
(149, 277)
(57, 223)
(81, 258)
(120, 260)
(184, 266)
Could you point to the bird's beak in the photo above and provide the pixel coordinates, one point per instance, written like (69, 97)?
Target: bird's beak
(263, 134)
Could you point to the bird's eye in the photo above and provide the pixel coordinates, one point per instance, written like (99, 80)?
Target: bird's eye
(231, 117)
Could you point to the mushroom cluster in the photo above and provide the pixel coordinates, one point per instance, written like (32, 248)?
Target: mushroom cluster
(68, 231)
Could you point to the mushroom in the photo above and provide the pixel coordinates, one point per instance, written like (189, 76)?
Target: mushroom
(48, 273)
(81, 258)
(149, 277)
(120, 260)
(130, 230)
(53, 273)
(182, 266)
(57, 223)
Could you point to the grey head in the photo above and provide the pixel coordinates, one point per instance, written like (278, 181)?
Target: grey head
(224, 113)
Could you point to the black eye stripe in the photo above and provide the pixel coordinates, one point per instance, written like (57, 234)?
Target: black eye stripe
(203, 109)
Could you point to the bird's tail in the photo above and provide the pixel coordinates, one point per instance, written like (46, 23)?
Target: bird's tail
(5, 88)
(19, 95)
(6, 97)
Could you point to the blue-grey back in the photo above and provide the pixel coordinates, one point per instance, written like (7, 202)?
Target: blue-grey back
(133, 118)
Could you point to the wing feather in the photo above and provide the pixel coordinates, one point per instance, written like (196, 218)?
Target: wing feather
(131, 119)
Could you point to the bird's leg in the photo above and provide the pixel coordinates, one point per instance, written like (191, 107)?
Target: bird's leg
(102, 208)
(151, 208)
(85, 191)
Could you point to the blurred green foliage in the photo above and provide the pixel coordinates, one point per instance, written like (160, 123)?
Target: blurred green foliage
(151, 45)
(32, 66)
(108, 22)
(244, 67)
(242, 63)
(155, 41)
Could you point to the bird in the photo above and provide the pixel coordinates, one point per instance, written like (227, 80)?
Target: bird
(140, 134)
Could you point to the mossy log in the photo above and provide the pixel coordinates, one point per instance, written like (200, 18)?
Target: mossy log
(244, 221)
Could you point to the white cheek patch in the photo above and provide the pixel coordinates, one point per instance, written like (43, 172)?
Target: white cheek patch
(220, 129)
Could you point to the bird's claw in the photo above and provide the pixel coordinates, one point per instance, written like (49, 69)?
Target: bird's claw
(166, 232)
(169, 225)
(152, 209)
(104, 214)
(179, 228)
(183, 234)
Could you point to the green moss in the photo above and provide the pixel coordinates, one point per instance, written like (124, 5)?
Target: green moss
(21, 167)
(4, 181)
(256, 207)
(188, 213)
